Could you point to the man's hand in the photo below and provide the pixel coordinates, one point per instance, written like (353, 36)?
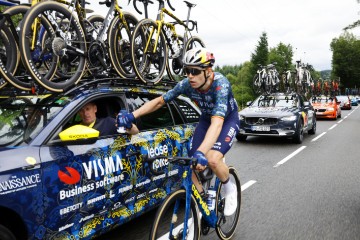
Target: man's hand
(125, 119)
(202, 161)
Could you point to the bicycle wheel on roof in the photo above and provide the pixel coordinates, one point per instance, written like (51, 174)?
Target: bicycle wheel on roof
(65, 47)
(148, 51)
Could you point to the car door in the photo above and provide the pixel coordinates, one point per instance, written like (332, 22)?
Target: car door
(162, 132)
(83, 180)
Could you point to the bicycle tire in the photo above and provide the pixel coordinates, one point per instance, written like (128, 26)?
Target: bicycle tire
(149, 65)
(8, 55)
(70, 61)
(256, 87)
(174, 67)
(226, 226)
(164, 217)
(119, 39)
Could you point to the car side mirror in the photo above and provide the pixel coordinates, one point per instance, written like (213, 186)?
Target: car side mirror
(79, 134)
(248, 103)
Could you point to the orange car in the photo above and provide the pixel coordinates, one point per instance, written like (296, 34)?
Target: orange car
(326, 107)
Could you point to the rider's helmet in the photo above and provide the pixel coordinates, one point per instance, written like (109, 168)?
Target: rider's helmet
(199, 57)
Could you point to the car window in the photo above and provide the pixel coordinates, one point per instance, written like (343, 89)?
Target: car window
(189, 113)
(159, 119)
(276, 101)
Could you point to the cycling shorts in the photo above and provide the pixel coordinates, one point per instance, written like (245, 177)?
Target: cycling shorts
(226, 138)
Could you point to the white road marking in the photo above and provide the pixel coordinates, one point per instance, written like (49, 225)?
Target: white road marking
(290, 156)
(340, 121)
(318, 137)
(247, 184)
(345, 117)
(333, 126)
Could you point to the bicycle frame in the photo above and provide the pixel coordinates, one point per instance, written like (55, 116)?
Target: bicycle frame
(161, 22)
(208, 215)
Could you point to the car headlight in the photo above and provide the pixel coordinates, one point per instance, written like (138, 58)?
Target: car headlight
(330, 109)
(242, 117)
(289, 118)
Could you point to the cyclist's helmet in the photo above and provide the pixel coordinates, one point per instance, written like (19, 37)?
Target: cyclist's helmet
(199, 57)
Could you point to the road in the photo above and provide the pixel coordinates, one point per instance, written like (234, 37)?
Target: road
(292, 191)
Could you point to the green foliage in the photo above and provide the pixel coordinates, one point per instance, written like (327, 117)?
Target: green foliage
(261, 54)
(282, 54)
(227, 69)
(346, 59)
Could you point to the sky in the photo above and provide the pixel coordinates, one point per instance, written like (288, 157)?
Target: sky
(232, 28)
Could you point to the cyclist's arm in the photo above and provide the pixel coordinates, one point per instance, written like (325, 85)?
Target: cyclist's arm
(149, 107)
(212, 134)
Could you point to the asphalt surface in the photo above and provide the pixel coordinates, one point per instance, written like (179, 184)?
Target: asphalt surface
(292, 191)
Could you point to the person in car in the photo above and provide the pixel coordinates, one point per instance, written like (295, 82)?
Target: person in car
(219, 121)
(106, 126)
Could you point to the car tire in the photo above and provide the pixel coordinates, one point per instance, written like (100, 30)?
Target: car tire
(339, 115)
(241, 138)
(299, 134)
(6, 234)
(312, 131)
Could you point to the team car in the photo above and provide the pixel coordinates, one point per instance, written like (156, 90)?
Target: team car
(277, 114)
(326, 107)
(81, 185)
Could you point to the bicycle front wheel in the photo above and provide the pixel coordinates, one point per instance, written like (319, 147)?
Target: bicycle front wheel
(226, 226)
(174, 65)
(148, 51)
(119, 37)
(170, 218)
(65, 47)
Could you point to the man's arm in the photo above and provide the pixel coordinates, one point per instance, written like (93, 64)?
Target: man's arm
(149, 107)
(212, 134)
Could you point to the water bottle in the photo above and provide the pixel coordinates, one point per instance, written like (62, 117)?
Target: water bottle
(210, 200)
(120, 129)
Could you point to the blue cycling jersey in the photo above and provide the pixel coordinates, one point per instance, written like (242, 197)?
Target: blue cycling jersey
(218, 100)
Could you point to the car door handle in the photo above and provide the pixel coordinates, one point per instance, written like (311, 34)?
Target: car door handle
(32, 166)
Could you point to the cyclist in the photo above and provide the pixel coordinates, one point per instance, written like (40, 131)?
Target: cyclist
(219, 121)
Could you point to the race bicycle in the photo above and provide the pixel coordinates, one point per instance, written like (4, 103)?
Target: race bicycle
(75, 43)
(273, 76)
(261, 83)
(156, 46)
(178, 216)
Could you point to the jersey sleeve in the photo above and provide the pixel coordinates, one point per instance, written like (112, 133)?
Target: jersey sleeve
(222, 92)
(176, 91)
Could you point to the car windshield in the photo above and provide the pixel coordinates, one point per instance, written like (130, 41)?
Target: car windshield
(276, 101)
(343, 98)
(21, 119)
(322, 100)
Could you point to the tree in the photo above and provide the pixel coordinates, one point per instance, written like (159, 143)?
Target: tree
(346, 59)
(282, 54)
(261, 54)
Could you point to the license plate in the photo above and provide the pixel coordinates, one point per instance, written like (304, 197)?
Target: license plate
(261, 128)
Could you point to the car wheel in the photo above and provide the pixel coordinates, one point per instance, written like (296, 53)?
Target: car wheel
(339, 115)
(312, 131)
(299, 134)
(241, 138)
(6, 234)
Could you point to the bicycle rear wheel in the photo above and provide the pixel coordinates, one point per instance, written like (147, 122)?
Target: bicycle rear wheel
(148, 53)
(65, 45)
(8, 55)
(119, 38)
(174, 66)
(170, 217)
(257, 84)
(226, 226)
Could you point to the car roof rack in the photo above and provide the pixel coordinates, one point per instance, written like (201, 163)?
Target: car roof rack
(88, 84)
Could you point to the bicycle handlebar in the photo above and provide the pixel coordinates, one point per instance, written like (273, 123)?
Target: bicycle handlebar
(170, 6)
(145, 2)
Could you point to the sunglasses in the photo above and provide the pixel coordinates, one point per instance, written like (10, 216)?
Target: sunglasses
(193, 71)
